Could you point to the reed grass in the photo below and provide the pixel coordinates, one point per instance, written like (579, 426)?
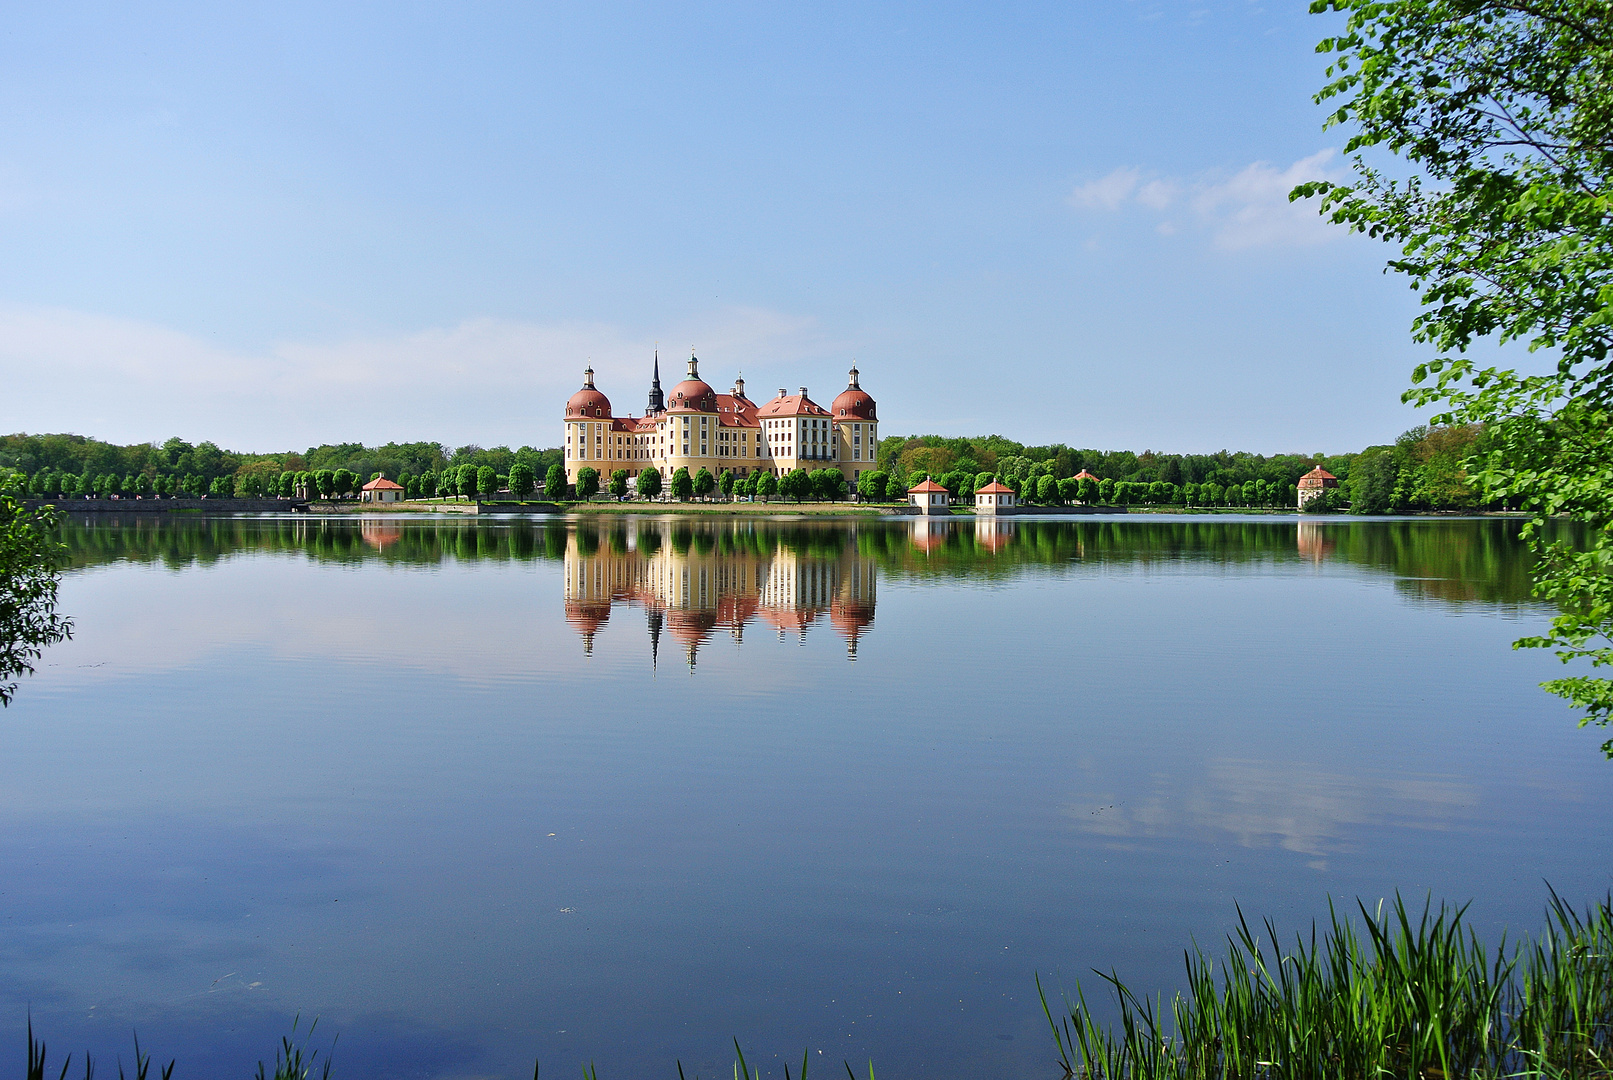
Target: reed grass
(1391, 994)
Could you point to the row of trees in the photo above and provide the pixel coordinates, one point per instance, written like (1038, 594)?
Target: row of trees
(174, 466)
(799, 484)
(914, 456)
(55, 484)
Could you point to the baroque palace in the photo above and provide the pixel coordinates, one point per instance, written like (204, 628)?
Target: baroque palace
(695, 428)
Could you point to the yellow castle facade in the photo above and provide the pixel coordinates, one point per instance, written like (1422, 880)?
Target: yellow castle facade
(693, 427)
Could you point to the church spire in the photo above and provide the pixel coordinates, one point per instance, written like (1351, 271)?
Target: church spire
(657, 399)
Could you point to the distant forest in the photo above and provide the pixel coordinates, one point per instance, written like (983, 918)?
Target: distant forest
(1422, 470)
(178, 466)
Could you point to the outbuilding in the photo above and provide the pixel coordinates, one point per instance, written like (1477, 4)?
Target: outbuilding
(381, 490)
(930, 498)
(1314, 483)
(995, 498)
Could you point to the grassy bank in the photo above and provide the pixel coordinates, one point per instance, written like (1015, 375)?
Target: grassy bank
(1390, 992)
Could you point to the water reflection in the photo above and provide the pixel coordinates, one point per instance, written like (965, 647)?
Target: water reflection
(693, 584)
(1453, 561)
(1070, 742)
(1298, 807)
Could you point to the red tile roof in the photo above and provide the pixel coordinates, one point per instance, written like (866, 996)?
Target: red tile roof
(928, 485)
(381, 484)
(792, 405)
(994, 488)
(1084, 475)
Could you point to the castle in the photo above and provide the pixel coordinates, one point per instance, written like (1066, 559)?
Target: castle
(694, 428)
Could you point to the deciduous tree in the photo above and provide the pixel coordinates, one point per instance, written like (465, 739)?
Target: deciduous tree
(522, 482)
(587, 482)
(649, 483)
(554, 482)
(1502, 114)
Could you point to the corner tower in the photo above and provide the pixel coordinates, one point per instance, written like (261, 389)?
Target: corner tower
(855, 418)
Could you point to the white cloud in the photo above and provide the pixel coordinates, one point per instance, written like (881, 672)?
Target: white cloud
(1158, 194)
(485, 380)
(1246, 210)
(1107, 193)
(1252, 209)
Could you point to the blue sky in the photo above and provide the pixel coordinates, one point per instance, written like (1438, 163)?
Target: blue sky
(277, 225)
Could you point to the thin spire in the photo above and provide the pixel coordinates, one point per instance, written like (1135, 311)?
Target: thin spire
(657, 398)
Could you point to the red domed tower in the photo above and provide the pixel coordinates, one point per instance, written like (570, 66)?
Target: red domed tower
(853, 401)
(588, 401)
(588, 428)
(855, 420)
(693, 394)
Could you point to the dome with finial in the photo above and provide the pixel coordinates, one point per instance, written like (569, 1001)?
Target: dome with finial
(588, 401)
(693, 394)
(853, 401)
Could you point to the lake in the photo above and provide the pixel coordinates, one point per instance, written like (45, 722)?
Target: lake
(479, 791)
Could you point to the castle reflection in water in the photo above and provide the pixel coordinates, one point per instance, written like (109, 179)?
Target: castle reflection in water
(693, 585)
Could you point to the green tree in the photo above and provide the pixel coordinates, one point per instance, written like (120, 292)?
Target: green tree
(1106, 491)
(325, 481)
(649, 483)
(682, 485)
(795, 484)
(1047, 489)
(829, 484)
(618, 483)
(871, 485)
(895, 489)
(725, 483)
(554, 483)
(1374, 481)
(522, 480)
(1503, 115)
(704, 482)
(486, 482)
(30, 569)
(587, 483)
(288, 484)
(766, 485)
(465, 481)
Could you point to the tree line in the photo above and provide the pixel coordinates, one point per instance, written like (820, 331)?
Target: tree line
(1425, 469)
(76, 466)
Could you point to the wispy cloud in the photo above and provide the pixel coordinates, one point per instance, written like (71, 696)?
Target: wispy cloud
(1107, 193)
(1248, 209)
(484, 379)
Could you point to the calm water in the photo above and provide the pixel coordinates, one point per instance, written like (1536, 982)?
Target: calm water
(479, 792)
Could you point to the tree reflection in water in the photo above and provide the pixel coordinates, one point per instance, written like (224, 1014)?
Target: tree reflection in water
(696, 577)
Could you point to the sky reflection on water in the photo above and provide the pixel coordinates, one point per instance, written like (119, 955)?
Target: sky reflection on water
(456, 786)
